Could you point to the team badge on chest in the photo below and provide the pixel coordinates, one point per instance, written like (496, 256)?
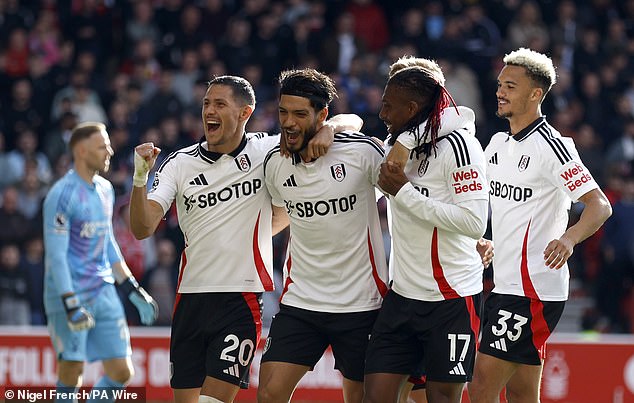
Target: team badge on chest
(523, 164)
(338, 172)
(422, 168)
(243, 162)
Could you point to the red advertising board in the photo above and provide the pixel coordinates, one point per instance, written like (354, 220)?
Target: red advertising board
(579, 369)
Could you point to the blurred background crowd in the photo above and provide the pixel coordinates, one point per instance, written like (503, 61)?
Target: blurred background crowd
(141, 67)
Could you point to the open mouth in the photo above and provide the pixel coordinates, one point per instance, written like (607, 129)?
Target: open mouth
(292, 136)
(212, 125)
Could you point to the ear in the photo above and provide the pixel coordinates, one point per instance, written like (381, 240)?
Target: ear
(246, 112)
(322, 115)
(412, 109)
(537, 94)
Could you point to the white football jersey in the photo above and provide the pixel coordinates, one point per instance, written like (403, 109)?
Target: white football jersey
(534, 176)
(438, 216)
(224, 211)
(336, 258)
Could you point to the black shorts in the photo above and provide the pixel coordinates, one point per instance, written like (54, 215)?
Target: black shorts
(216, 335)
(300, 336)
(441, 336)
(516, 328)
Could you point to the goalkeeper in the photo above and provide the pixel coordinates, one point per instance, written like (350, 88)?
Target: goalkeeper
(85, 316)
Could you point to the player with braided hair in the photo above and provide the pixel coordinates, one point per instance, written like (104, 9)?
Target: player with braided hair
(438, 203)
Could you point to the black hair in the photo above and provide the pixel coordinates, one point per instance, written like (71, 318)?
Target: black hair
(308, 83)
(242, 89)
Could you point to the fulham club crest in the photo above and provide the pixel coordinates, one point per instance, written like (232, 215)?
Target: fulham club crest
(422, 168)
(338, 172)
(523, 164)
(243, 162)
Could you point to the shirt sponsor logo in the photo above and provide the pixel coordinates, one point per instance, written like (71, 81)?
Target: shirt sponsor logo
(466, 181)
(231, 192)
(338, 172)
(510, 192)
(243, 162)
(523, 164)
(575, 177)
(322, 208)
(90, 229)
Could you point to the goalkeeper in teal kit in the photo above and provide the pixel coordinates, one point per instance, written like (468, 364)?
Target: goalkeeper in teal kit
(86, 320)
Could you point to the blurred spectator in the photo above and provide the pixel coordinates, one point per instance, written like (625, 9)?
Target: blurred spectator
(27, 150)
(21, 113)
(370, 24)
(267, 45)
(340, 46)
(15, 226)
(64, 98)
(31, 193)
(215, 17)
(621, 152)
(44, 38)
(32, 263)
(162, 102)
(528, 28)
(142, 26)
(234, 48)
(14, 291)
(616, 279)
(185, 77)
(17, 53)
(5, 179)
(160, 280)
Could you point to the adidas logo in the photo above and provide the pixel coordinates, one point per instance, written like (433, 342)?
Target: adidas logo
(233, 370)
(458, 370)
(499, 345)
(494, 159)
(199, 180)
(290, 181)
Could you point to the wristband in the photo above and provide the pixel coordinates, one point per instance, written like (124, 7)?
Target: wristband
(129, 285)
(141, 170)
(71, 302)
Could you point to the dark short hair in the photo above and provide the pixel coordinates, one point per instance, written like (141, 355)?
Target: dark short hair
(242, 89)
(308, 83)
(83, 131)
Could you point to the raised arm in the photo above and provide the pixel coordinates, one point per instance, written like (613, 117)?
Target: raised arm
(145, 214)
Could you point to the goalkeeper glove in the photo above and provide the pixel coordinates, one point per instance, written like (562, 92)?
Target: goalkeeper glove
(147, 307)
(77, 316)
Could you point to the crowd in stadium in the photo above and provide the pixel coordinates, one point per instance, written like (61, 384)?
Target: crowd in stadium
(142, 68)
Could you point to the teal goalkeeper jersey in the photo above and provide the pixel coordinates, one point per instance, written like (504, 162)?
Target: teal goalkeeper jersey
(78, 238)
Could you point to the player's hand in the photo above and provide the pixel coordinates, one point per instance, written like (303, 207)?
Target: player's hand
(320, 143)
(557, 252)
(485, 249)
(144, 159)
(144, 303)
(398, 154)
(391, 178)
(77, 316)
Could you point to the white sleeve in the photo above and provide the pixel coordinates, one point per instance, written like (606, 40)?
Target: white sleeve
(467, 217)
(566, 171)
(165, 186)
(269, 180)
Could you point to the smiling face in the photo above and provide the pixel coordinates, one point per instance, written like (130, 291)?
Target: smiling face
(224, 118)
(299, 121)
(516, 94)
(397, 109)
